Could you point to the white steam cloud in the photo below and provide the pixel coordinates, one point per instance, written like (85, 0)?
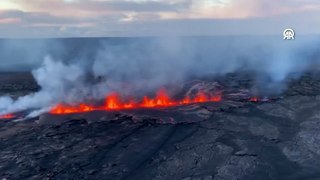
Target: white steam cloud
(134, 66)
(55, 79)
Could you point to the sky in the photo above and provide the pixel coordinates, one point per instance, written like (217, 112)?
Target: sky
(96, 18)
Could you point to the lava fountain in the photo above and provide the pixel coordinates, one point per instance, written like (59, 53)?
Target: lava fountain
(114, 101)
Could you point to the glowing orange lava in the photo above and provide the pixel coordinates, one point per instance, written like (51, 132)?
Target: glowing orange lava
(7, 116)
(254, 99)
(114, 102)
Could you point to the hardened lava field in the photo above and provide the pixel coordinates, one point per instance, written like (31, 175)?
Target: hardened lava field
(267, 137)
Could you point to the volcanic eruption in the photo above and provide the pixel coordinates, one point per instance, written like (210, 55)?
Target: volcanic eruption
(143, 110)
(134, 79)
(7, 116)
(114, 102)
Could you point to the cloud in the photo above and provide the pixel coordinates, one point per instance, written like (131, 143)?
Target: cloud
(9, 20)
(104, 6)
(263, 8)
(64, 18)
(35, 17)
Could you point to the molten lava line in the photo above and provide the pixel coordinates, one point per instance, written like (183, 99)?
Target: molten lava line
(7, 116)
(114, 102)
(254, 99)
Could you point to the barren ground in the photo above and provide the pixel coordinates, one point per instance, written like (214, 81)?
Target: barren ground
(273, 140)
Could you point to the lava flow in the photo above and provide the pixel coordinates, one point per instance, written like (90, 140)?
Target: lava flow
(7, 116)
(114, 102)
(254, 99)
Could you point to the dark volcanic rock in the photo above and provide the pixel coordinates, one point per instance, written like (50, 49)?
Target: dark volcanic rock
(235, 140)
(17, 84)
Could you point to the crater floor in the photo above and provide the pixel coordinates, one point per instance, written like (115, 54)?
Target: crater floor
(274, 140)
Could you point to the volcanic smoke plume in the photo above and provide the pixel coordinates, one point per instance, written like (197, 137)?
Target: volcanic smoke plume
(146, 73)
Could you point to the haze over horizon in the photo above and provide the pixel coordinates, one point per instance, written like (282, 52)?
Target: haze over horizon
(109, 18)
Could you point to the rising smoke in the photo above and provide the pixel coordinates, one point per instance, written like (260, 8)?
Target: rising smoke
(72, 72)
